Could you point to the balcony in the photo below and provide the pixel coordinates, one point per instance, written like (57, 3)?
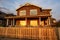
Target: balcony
(44, 14)
(35, 16)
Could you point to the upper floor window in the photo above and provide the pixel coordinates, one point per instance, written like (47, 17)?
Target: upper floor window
(23, 12)
(33, 12)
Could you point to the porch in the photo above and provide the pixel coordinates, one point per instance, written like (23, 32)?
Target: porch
(39, 21)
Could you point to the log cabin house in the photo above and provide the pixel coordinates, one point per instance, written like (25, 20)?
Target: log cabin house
(33, 16)
(30, 15)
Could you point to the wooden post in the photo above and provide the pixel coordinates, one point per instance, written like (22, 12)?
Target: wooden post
(26, 21)
(13, 22)
(39, 21)
(49, 21)
(7, 22)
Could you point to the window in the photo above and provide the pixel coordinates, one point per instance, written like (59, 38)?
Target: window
(33, 12)
(34, 23)
(23, 23)
(23, 12)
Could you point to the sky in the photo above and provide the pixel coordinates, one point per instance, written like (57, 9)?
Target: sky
(12, 5)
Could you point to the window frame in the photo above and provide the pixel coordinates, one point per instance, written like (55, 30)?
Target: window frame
(22, 14)
(31, 10)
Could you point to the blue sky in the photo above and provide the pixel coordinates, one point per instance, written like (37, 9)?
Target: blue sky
(12, 5)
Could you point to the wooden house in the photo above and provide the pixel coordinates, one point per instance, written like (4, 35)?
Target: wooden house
(29, 15)
(31, 23)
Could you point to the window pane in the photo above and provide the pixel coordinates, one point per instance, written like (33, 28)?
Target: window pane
(23, 23)
(23, 12)
(33, 23)
(33, 12)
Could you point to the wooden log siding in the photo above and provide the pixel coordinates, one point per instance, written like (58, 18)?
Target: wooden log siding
(47, 33)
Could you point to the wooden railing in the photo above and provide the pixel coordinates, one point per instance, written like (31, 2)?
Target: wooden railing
(44, 14)
(47, 33)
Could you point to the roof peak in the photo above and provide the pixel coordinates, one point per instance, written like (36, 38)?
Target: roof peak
(27, 4)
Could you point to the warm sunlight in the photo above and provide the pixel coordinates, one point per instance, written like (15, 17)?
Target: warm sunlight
(23, 23)
(34, 23)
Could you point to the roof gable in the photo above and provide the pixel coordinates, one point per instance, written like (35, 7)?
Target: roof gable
(27, 4)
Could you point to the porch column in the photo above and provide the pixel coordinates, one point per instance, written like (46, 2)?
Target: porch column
(13, 22)
(49, 20)
(26, 21)
(39, 21)
(7, 22)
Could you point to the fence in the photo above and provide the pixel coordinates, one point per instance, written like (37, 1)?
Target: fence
(46, 33)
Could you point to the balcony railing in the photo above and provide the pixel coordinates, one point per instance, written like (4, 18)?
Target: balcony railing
(40, 14)
(44, 13)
